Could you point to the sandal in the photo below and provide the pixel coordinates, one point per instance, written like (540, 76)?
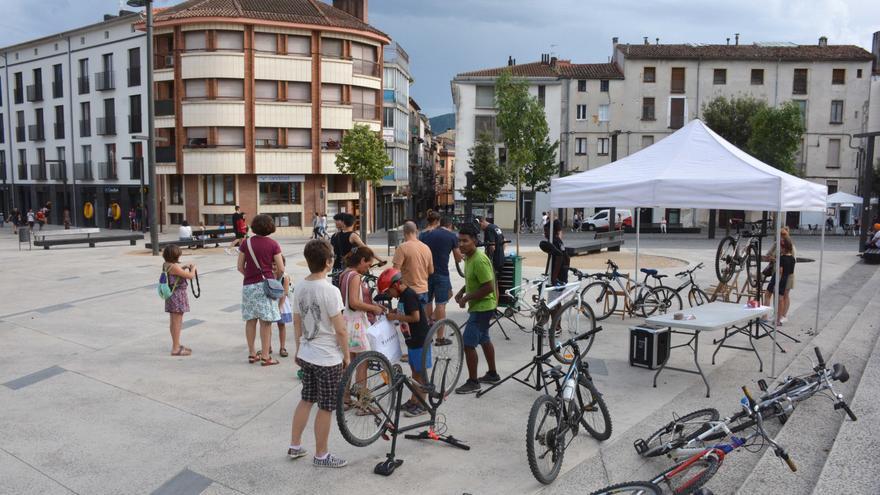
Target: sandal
(440, 342)
(283, 352)
(182, 351)
(268, 361)
(254, 358)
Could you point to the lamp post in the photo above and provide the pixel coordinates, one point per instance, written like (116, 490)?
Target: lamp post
(153, 210)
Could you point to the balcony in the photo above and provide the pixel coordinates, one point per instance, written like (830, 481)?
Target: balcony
(38, 171)
(365, 67)
(107, 171)
(106, 126)
(364, 111)
(85, 128)
(164, 108)
(59, 130)
(35, 92)
(134, 76)
(83, 84)
(83, 171)
(57, 89)
(58, 171)
(36, 132)
(104, 81)
(165, 154)
(135, 123)
(19, 134)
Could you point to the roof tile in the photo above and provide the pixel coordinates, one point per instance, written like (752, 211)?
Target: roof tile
(540, 69)
(745, 52)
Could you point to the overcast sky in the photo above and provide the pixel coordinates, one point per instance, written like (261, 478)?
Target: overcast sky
(445, 37)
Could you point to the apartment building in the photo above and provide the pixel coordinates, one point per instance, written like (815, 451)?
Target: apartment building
(252, 101)
(444, 172)
(71, 106)
(392, 207)
(422, 151)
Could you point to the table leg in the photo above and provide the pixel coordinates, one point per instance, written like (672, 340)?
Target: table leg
(697, 361)
(752, 343)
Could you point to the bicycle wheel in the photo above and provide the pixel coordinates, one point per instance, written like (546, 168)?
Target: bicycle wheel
(365, 403)
(688, 478)
(442, 363)
(601, 298)
(630, 488)
(696, 297)
(661, 300)
(571, 320)
(752, 257)
(679, 431)
(595, 417)
(725, 259)
(545, 439)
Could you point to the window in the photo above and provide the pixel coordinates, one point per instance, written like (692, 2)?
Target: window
(757, 77)
(83, 80)
(134, 67)
(230, 89)
(648, 109)
(230, 136)
(299, 91)
(2, 131)
(22, 165)
(196, 137)
(719, 76)
(581, 112)
(19, 127)
(57, 81)
(299, 138)
(801, 152)
(175, 189)
(135, 116)
(833, 153)
(266, 42)
(485, 124)
(287, 219)
(832, 185)
(196, 89)
(363, 101)
(677, 81)
(59, 122)
(331, 139)
(582, 85)
(676, 113)
(280, 193)
(85, 125)
(603, 85)
(18, 89)
(838, 76)
(836, 111)
(230, 40)
(647, 141)
(802, 106)
(485, 96)
(603, 146)
(299, 45)
(502, 156)
(195, 41)
(580, 146)
(650, 75)
(603, 112)
(388, 117)
(331, 93)
(364, 60)
(799, 84)
(542, 94)
(219, 189)
(266, 137)
(266, 90)
(107, 61)
(859, 73)
(331, 47)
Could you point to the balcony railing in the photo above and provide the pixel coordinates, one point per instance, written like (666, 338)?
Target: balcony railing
(134, 76)
(36, 132)
(163, 61)
(135, 123)
(83, 84)
(266, 143)
(165, 154)
(164, 108)
(106, 126)
(85, 128)
(364, 111)
(57, 171)
(57, 89)
(83, 171)
(19, 134)
(59, 130)
(365, 67)
(104, 81)
(35, 92)
(38, 171)
(107, 170)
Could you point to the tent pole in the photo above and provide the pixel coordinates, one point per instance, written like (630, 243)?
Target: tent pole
(776, 286)
(638, 229)
(819, 289)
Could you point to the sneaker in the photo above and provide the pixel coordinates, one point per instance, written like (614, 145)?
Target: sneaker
(441, 342)
(296, 453)
(469, 387)
(413, 410)
(331, 461)
(783, 320)
(490, 377)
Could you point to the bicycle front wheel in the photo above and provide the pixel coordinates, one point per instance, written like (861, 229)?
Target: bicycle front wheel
(690, 475)
(545, 439)
(679, 431)
(630, 488)
(365, 399)
(442, 356)
(725, 259)
(570, 320)
(752, 257)
(661, 300)
(696, 297)
(595, 417)
(601, 298)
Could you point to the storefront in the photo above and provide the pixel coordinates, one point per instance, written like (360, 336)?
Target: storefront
(281, 197)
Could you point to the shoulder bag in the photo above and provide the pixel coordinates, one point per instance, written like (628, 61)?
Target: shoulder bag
(355, 321)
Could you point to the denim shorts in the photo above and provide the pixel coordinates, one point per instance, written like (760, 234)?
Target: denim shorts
(439, 288)
(476, 330)
(415, 359)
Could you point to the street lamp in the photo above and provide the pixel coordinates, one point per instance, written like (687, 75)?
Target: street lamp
(153, 211)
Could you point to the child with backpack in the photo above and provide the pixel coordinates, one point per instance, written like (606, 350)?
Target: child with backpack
(172, 288)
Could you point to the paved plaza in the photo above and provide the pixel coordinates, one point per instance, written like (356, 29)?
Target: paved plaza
(92, 403)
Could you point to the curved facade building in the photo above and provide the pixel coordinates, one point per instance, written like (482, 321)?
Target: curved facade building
(252, 100)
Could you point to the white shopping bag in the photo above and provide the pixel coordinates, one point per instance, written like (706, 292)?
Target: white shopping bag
(383, 338)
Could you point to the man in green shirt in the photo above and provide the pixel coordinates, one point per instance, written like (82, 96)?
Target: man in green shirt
(479, 294)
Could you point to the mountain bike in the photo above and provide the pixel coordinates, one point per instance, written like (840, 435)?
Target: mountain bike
(552, 419)
(740, 251)
(639, 298)
(695, 295)
(370, 408)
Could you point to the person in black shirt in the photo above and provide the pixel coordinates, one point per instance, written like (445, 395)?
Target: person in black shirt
(559, 263)
(414, 326)
(344, 240)
(493, 240)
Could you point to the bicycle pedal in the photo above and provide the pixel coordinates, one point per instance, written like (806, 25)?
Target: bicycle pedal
(640, 446)
(762, 384)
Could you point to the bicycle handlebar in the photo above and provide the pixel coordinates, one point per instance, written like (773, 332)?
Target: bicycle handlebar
(580, 337)
(821, 364)
(688, 272)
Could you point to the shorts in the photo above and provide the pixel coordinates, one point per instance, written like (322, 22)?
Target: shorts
(439, 288)
(476, 330)
(415, 359)
(255, 305)
(319, 384)
(786, 284)
(423, 298)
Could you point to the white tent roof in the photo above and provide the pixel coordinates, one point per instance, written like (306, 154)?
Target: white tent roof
(841, 197)
(692, 168)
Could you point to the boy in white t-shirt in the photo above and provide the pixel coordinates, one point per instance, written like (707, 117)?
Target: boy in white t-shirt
(321, 352)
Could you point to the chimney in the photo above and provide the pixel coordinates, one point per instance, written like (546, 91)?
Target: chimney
(614, 44)
(728, 41)
(509, 60)
(823, 41)
(656, 41)
(646, 40)
(875, 67)
(357, 8)
(736, 37)
(553, 61)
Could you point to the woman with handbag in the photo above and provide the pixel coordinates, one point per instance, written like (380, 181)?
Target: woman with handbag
(261, 289)
(359, 312)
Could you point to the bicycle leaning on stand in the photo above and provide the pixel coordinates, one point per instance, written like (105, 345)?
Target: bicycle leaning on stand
(695, 295)
(740, 251)
(639, 298)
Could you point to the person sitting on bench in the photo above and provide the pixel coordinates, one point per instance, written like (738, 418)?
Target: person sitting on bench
(186, 232)
(874, 242)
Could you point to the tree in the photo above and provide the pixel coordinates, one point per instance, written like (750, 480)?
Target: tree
(776, 136)
(362, 155)
(490, 177)
(731, 119)
(536, 175)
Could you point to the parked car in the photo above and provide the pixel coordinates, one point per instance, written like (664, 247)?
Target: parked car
(599, 220)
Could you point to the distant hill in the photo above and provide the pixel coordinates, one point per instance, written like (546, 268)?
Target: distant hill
(442, 123)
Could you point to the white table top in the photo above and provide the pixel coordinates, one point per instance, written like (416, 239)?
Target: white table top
(712, 316)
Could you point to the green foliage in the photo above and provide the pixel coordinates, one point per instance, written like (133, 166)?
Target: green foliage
(362, 154)
(731, 119)
(536, 176)
(489, 177)
(776, 136)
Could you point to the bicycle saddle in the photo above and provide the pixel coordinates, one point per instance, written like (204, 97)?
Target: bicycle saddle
(549, 248)
(554, 372)
(839, 373)
(652, 272)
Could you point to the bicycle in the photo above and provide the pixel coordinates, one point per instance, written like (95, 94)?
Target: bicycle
(647, 299)
(740, 251)
(370, 408)
(696, 296)
(577, 403)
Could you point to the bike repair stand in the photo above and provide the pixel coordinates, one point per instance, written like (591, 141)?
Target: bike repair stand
(508, 314)
(535, 366)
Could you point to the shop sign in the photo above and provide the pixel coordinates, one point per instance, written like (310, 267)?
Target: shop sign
(506, 196)
(111, 190)
(281, 178)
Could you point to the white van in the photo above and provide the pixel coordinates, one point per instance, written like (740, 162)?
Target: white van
(599, 221)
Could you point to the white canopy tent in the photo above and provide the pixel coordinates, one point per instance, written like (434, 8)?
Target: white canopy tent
(693, 168)
(841, 197)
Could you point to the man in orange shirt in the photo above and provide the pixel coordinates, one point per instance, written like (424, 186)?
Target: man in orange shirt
(414, 260)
